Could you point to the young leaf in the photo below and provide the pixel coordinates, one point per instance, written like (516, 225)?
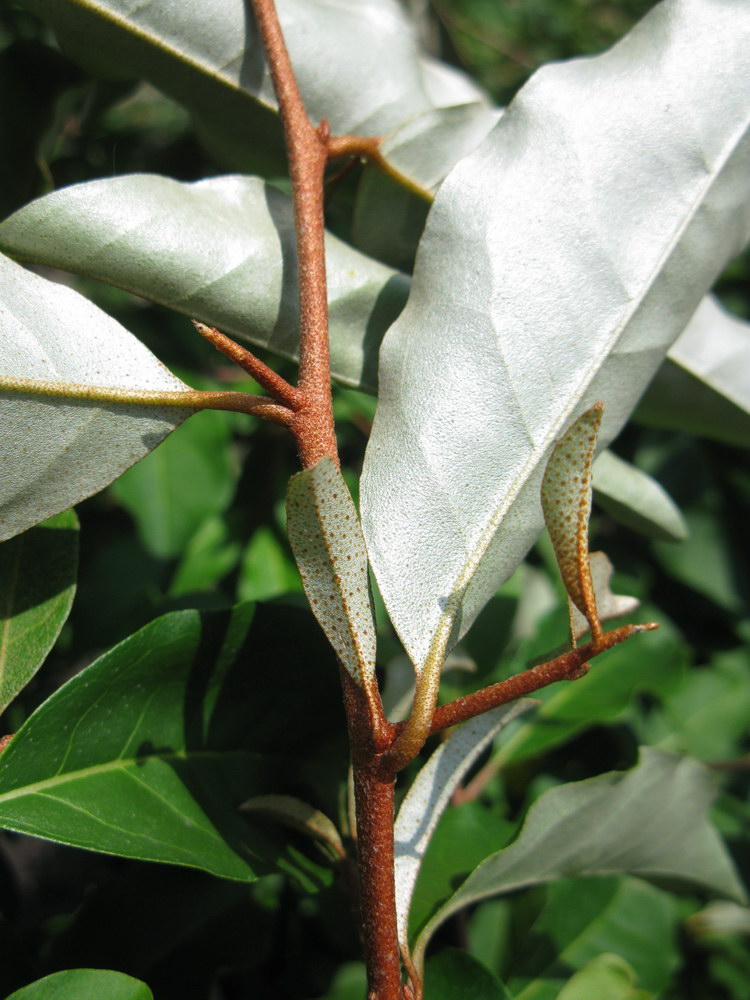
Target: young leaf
(650, 821)
(566, 503)
(149, 752)
(430, 793)
(84, 984)
(56, 447)
(327, 542)
(37, 584)
(608, 604)
(552, 296)
(636, 500)
(214, 250)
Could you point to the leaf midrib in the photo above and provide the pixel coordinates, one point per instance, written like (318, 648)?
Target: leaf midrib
(93, 770)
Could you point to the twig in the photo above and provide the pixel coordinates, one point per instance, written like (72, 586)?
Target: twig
(284, 393)
(570, 666)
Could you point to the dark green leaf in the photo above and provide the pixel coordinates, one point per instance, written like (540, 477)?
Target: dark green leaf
(456, 975)
(37, 583)
(605, 976)
(653, 664)
(84, 984)
(149, 752)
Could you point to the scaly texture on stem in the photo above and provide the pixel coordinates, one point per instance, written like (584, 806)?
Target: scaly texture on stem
(567, 667)
(281, 391)
(307, 149)
(374, 797)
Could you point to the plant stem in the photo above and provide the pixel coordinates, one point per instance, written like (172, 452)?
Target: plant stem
(283, 393)
(307, 149)
(312, 425)
(570, 666)
(374, 794)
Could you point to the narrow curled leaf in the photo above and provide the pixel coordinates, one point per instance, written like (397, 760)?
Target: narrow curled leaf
(608, 604)
(430, 793)
(56, 446)
(635, 499)
(329, 547)
(300, 816)
(566, 502)
(651, 821)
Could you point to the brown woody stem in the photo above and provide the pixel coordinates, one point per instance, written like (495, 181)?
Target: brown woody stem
(374, 795)
(307, 149)
(568, 667)
(281, 391)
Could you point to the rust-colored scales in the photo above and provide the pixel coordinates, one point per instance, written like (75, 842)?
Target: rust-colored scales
(566, 502)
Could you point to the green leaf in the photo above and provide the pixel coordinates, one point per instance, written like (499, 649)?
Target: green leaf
(605, 976)
(464, 837)
(705, 561)
(650, 821)
(219, 250)
(456, 975)
(349, 983)
(635, 499)
(210, 554)
(267, 569)
(430, 793)
(209, 59)
(56, 447)
(168, 514)
(37, 582)
(149, 752)
(708, 714)
(327, 542)
(702, 387)
(581, 918)
(551, 297)
(84, 984)
(192, 922)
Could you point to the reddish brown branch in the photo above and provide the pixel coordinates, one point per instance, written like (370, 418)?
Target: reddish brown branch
(281, 391)
(568, 667)
(373, 792)
(307, 149)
